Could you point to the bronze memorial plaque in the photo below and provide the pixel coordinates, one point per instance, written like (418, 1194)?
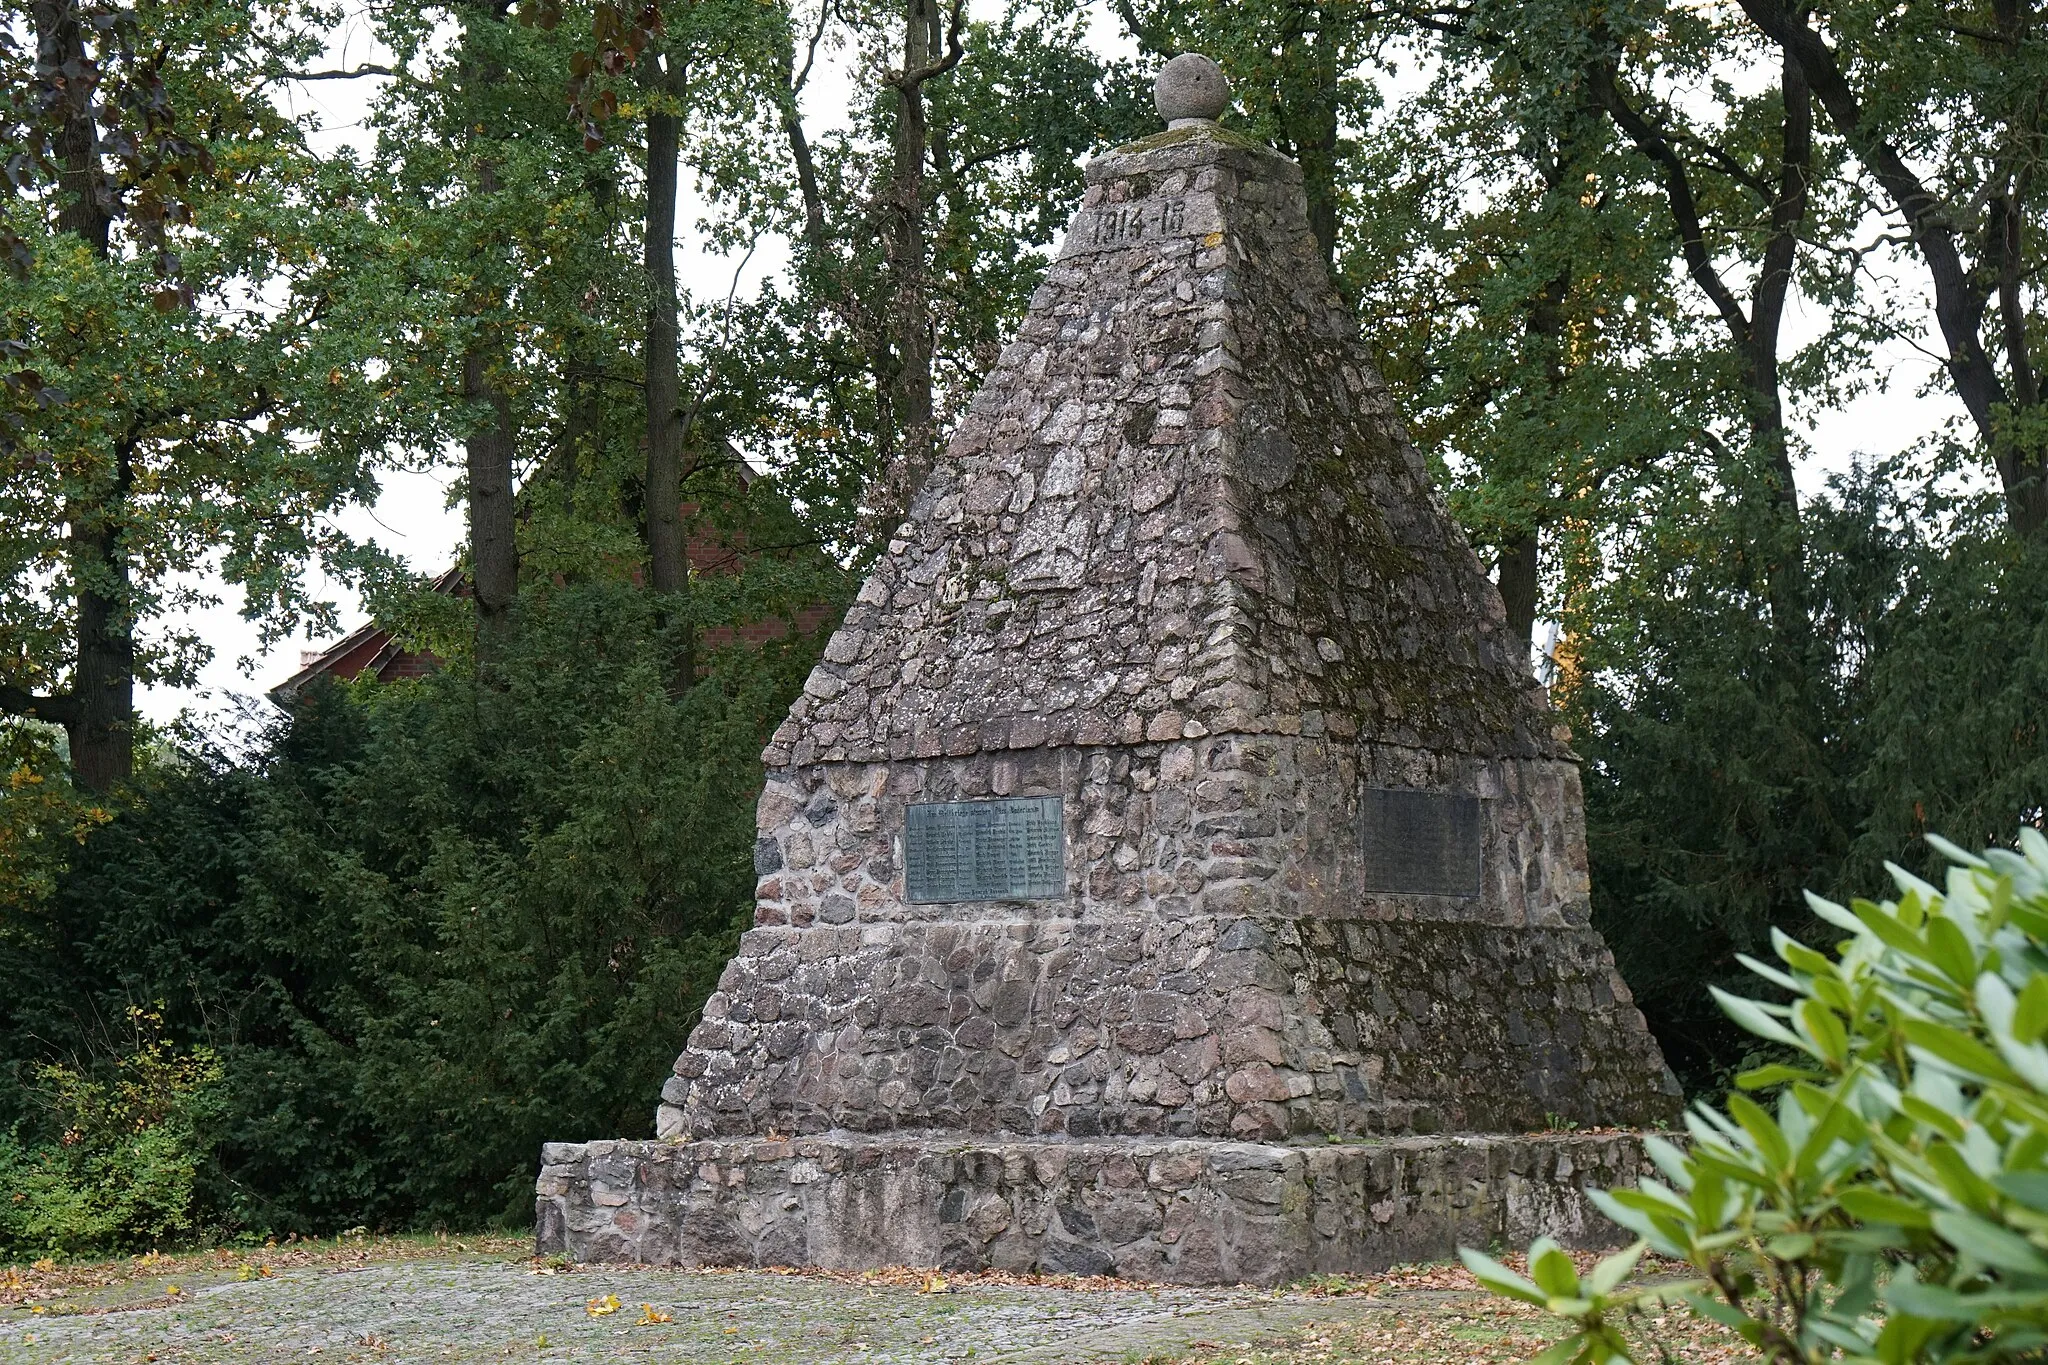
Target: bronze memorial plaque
(1006, 850)
(1421, 843)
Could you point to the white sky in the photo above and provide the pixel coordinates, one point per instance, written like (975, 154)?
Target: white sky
(412, 518)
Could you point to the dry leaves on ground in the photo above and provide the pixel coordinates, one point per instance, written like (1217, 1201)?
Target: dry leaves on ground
(1467, 1332)
(924, 1280)
(1437, 1315)
(60, 1287)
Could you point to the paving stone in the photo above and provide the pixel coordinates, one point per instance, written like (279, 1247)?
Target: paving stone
(485, 1310)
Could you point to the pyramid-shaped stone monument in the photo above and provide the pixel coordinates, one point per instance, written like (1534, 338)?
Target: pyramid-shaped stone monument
(1172, 837)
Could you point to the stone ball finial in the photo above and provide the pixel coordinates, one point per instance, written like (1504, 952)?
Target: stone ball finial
(1190, 89)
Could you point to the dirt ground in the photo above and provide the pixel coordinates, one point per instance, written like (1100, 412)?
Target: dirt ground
(485, 1299)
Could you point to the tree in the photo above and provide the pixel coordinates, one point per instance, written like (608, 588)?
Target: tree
(721, 46)
(154, 421)
(1519, 296)
(1764, 159)
(1956, 88)
(502, 323)
(668, 569)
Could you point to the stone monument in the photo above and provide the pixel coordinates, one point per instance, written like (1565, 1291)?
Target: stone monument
(1172, 853)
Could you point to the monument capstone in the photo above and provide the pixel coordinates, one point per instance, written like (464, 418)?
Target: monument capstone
(1172, 854)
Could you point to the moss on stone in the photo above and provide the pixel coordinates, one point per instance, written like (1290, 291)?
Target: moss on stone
(1211, 132)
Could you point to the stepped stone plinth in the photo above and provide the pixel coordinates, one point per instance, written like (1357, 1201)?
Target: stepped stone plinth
(1172, 832)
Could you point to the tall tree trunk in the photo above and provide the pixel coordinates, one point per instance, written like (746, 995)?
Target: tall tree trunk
(1753, 333)
(789, 113)
(493, 545)
(1519, 571)
(1519, 580)
(1313, 130)
(1774, 286)
(99, 714)
(102, 729)
(492, 444)
(1770, 441)
(931, 47)
(903, 246)
(668, 567)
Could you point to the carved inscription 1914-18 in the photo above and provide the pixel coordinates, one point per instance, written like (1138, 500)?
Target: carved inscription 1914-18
(1116, 224)
(1011, 849)
(1421, 843)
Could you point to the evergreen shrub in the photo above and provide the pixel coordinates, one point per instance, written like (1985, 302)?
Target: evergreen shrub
(420, 927)
(1891, 1205)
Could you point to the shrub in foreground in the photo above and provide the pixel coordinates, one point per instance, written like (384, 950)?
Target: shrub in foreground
(1891, 1205)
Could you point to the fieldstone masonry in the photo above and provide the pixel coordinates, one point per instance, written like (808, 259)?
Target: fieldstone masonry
(1182, 569)
(1193, 1212)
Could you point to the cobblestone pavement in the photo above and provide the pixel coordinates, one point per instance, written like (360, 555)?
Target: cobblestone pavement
(479, 1308)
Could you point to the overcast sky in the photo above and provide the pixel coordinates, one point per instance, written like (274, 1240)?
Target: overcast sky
(413, 520)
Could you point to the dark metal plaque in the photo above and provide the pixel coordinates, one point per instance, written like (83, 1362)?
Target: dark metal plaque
(1008, 850)
(1421, 843)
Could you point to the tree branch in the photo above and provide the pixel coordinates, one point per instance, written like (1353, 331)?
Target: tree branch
(1151, 37)
(1651, 142)
(368, 69)
(1730, 167)
(791, 116)
(58, 710)
(993, 154)
(911, 80)
(1958, 303)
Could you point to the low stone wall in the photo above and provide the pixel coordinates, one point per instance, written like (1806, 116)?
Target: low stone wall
(1184, 1212)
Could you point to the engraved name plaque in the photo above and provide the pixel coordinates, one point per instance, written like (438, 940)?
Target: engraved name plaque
(1013, 849)
(1421, 843)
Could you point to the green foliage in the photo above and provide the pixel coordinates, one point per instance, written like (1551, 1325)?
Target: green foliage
(1958, 699)
(1894, 1207)
(194, 431)
(38, 810)
(1716, 762)
(427, 926)
(1724, 771)
(120, 1163)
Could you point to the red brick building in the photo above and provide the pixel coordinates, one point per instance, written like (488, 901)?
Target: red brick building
(371, 649)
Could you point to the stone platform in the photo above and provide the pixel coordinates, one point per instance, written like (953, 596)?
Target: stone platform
(1182, 1212)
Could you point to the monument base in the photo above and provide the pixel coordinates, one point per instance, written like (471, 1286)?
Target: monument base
(1180, 1211)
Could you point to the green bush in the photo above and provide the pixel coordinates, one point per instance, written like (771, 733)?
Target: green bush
(423, 926)
(122, 1166)
(1894, 1208)
(1726, 769)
